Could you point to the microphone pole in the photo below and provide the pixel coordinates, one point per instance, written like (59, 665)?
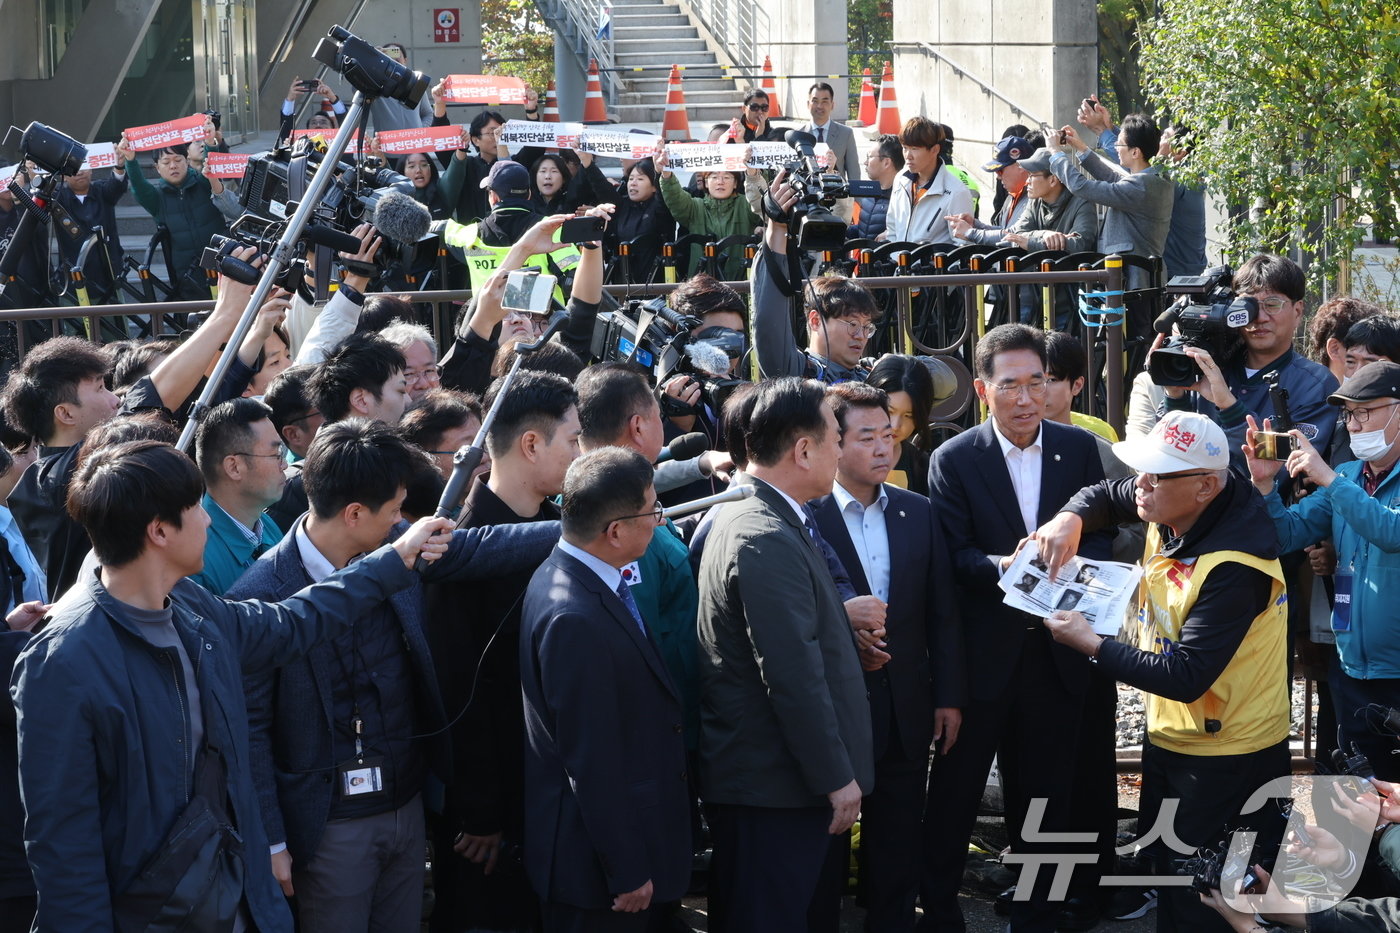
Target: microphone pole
(468, 458)
(732, 494)
(281, 257)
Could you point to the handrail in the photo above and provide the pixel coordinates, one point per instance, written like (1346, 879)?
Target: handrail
(736, 27)
(579, 21)
(962, 72)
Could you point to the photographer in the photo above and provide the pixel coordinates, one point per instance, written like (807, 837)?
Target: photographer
(1231, 389)
(840, 312)
(1354, 506)
(93, 204)
(485, 324)
(1211, 648)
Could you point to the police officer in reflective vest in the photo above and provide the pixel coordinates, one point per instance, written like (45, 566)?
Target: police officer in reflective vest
(481, 246)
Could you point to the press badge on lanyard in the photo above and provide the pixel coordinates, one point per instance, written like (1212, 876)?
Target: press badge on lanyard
(1341, 602)
(361, 775)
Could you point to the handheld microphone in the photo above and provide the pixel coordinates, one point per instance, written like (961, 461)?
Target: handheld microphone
(686, 447)
(732, 494)
(398, 217)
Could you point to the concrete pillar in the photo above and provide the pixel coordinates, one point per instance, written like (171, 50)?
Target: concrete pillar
(570, 82)
(804, 37)
(1040, 56)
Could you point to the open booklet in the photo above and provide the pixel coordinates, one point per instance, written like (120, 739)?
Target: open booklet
(1102, 590)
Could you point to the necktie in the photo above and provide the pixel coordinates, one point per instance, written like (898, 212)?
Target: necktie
(624, 593)
(821, 134)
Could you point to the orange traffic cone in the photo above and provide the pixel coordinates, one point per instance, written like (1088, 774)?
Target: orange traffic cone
(866, 115)
(551, 105)
(769, 87)
(594, 110)
(889, 109)
(675, 128)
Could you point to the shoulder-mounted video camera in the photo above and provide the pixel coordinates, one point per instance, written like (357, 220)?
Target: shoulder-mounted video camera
(1207, 314)
(818, 190)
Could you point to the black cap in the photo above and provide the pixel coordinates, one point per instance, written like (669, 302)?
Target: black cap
(1380, 379)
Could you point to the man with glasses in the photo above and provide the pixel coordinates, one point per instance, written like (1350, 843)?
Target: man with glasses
(419, 351)
(607, 825)
(242, 460)
(1211, 647)
(1233, 389)
(1355, 505)
(840, 312)
(991, 487)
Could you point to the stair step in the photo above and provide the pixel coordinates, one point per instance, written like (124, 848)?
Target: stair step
(652, 33)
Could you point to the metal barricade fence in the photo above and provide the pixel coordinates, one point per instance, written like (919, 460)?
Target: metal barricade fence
(1107, 335)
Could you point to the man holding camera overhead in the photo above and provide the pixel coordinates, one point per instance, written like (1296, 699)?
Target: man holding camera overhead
(1212, 618)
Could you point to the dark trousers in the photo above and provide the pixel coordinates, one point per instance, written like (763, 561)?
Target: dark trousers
(1096, 785)
(1350, 698)
(891, 842)
(565, 918)
(764, 866)
(1210, 792)
(1032, 728)
(17, 913)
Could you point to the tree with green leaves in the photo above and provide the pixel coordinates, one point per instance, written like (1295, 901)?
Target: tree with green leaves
(1290, 107)
(869, 29)
(516, 41)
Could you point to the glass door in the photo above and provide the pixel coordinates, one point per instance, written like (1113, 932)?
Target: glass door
(226, 64)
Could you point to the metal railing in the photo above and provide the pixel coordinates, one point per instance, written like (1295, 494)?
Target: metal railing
(737, 27)
(578, 23)
(962, 72)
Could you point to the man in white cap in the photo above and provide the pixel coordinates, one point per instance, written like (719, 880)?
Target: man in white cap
(1211, 646)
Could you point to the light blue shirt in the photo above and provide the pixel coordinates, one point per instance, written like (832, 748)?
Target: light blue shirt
(36, 584)
(866, 526)
(610, 575)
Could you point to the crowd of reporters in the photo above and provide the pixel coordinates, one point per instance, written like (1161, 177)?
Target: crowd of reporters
(570, 705)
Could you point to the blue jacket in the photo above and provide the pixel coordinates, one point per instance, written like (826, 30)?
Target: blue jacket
(1366, 532)
(103, 767)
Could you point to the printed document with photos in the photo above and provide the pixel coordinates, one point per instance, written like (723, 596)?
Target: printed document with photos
(1103, 590)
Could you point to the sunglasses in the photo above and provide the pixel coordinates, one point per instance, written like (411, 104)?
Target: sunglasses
(764, 108)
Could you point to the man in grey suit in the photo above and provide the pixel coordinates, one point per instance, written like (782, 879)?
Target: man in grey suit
(821, 101)
(785, 733)
(344, 740)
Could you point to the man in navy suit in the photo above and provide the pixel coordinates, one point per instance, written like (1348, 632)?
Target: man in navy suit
(991, 487)
(893, 549)
(344, 740)
(607, 811)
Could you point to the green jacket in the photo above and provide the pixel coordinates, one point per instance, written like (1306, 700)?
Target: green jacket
(227, 551)
(667, 598)
(187, 212)
(730, 217)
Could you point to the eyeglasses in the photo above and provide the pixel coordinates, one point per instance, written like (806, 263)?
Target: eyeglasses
(310, 414)
(281, 452)
(1360, 416)
(857, 328)
(760, 107)
(1033, 389)
(657, 514)
(1272, 305)
(1154, 480)
(426, 374)
(536, 320)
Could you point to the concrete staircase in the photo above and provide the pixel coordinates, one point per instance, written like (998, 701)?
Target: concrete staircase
(655, 34)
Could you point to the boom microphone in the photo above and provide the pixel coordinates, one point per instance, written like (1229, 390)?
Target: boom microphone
(732, 494)
(686, 447)
(329, 236)
(398, 217)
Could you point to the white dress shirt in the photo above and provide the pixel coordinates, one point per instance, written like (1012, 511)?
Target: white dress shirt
(36, 583)
(1024, 467)
(866, 526)
(610, 575)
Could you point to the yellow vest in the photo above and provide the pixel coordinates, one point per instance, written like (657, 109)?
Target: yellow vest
(1250, 697)
(482, 261)
(1099, 426)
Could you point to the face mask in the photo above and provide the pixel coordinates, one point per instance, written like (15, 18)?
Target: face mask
(1372, 445)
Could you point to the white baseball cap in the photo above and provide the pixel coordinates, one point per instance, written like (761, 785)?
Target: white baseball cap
(1183, 440)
